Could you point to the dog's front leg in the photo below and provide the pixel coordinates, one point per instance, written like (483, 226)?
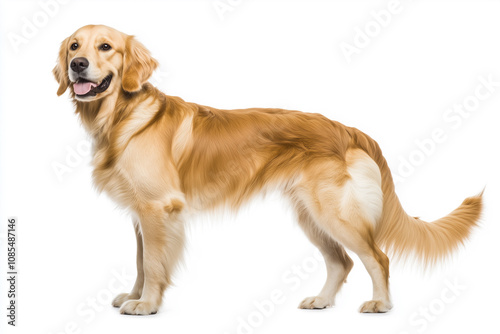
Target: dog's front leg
(162, 232)
(139, 282)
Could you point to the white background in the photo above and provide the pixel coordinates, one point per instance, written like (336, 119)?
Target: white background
(286, 54)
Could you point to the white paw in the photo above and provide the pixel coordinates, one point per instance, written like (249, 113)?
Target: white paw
(138, 307)
(315, 302)
(122, 298)
(375, 306)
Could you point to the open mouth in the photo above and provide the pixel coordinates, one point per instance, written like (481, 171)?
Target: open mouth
(85, 88)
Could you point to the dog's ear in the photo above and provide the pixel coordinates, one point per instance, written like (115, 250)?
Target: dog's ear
(61, 69)
(138, 65)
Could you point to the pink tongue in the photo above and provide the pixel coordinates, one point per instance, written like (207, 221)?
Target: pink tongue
(82, 88)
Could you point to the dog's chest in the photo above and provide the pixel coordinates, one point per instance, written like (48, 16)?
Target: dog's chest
(140, 173)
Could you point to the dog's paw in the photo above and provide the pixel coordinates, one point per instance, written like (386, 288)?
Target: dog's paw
(315, 302)
(122, 298)
(375, 306)
(138, 307)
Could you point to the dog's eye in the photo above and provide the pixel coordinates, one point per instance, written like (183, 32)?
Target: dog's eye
(74, 46)
(105, 47)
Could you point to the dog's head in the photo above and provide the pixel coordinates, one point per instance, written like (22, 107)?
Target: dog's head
(97, 60)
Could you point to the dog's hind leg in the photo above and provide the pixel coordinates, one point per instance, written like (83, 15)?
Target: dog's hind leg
(350, 234)
(338, 263)
(346, 204)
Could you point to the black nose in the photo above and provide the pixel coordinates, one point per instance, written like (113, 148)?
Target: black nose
(79, 64)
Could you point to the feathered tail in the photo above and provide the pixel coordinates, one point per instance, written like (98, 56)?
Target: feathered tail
(402, 235)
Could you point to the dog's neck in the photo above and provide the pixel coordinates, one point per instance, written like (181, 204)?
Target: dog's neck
(97, 116)
(104, 119)
(100, 116)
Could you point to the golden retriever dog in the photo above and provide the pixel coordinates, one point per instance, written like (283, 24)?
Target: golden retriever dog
(161, 158)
